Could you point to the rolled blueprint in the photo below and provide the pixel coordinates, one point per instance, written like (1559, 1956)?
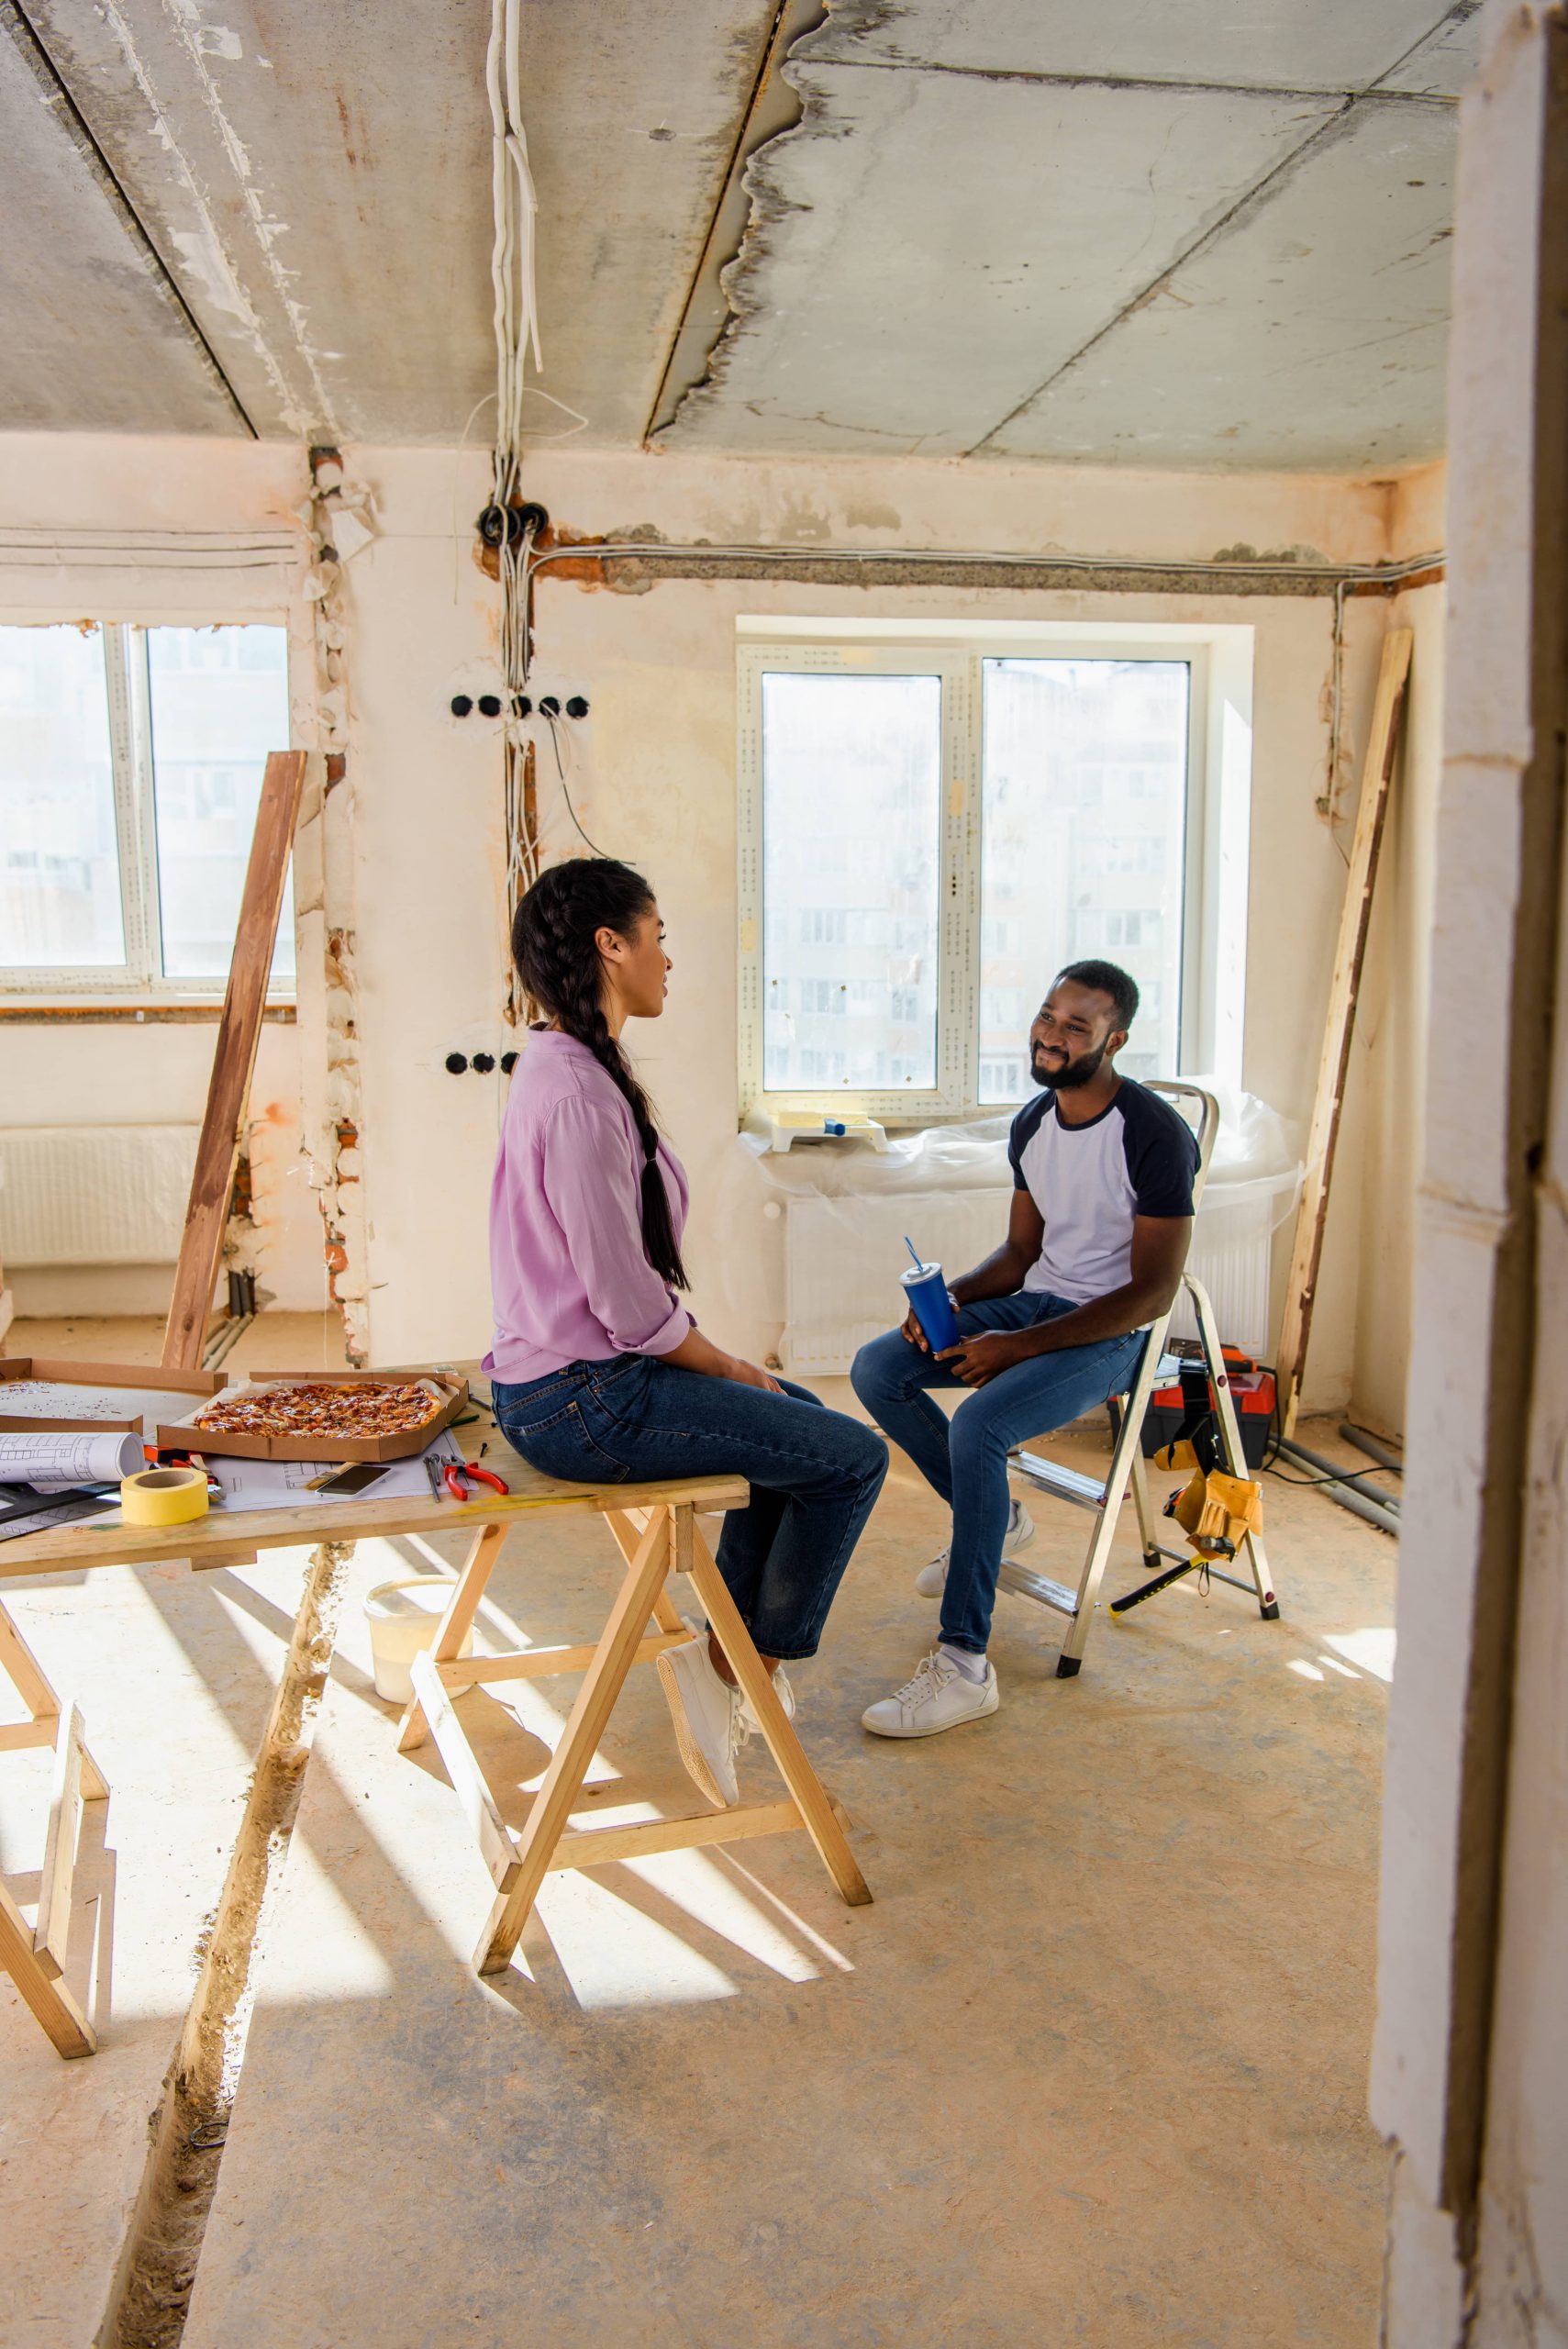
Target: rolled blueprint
(53, 1460)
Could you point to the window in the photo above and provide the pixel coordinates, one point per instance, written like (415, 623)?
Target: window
(930, 830)
(1063, 870)
(850, 879)
(131, 769)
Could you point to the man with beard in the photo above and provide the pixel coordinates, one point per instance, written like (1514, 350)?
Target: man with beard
(1048, 1325)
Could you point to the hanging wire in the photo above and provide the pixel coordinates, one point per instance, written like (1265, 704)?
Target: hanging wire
(516, 317)
(565, 787)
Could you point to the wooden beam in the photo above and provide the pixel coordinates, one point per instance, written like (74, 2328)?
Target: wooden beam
(49, 2001)
(26, 1674)
(598, 1847)
(454, 1626)
(537, 1664)
(234, 1058)
(1350, 954)
(811, 1797)
(585, 1725)
(496, 1839)
(59, 1847)
(16, 1737)
(629, 1526)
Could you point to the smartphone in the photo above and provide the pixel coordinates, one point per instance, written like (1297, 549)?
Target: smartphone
(354, 1479)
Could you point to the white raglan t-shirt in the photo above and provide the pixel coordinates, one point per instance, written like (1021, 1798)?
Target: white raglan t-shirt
(1137, 1157)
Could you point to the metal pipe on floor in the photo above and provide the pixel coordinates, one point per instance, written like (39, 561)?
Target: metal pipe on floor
(223, 1340)
(1373, 1447)
(1383, 1511)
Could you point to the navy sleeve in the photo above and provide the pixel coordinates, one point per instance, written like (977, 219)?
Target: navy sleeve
(1162, 1153)
(1021, 1132)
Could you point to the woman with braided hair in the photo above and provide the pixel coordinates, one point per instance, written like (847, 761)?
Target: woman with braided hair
(599, 1372)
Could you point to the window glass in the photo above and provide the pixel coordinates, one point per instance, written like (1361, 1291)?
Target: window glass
(59, 867)
(1084, 849)
(219, 703)
(851, 826)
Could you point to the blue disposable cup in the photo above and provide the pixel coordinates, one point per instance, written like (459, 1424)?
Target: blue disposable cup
(927, 1293)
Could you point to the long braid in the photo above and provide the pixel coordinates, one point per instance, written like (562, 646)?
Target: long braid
(552, 945)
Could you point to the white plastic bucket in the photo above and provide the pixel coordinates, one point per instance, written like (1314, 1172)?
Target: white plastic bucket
(402, 1618)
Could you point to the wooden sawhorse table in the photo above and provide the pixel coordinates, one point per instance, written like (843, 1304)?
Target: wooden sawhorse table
(654, 1526)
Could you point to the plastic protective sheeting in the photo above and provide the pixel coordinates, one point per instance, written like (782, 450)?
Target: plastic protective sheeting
(810, 1241)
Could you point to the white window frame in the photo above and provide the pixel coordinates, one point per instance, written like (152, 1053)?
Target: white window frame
(139, 978)
(1216, 848)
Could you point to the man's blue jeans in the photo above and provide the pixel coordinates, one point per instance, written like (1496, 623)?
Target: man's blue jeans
(965, 1459)
(814, 1473)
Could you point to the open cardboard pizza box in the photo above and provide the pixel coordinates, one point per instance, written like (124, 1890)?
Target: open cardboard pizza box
(86, 1393)
(446, 1394)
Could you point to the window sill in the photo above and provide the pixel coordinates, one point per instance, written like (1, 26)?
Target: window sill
(149, 1012)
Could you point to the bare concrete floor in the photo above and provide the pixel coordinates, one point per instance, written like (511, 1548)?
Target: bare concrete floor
(1090, 2069)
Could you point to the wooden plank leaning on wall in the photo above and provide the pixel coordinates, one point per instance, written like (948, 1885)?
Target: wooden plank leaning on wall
(234, 1059)
(1392, 681)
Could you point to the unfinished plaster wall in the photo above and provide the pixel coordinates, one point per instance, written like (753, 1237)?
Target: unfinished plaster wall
(1470, 2066)
(103, 502)
(655, 783)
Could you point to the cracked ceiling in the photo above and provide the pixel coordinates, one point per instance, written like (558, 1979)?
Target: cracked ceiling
(1166, 232)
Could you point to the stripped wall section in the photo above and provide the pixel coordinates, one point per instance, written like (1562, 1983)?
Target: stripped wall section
(324, 911)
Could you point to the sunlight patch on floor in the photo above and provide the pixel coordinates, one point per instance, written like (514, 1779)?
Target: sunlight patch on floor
(614, 1954)
(1371, 1649)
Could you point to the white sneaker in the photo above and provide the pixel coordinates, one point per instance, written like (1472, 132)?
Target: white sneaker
(938, 1697)
(931, 1580)
(750, 1724)
(706, 1714)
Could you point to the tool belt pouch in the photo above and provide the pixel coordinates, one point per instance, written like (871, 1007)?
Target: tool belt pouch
(1217, 1513)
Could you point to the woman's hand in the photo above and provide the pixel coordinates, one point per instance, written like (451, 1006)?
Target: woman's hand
(699, 1354)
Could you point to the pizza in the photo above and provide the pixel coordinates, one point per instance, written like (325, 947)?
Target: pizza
(369, 1409)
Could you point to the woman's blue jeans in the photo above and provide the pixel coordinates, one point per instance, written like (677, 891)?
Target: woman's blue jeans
(814, 1473)
(965, 1459)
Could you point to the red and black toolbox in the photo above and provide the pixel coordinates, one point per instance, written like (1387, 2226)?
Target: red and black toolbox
(1251, 1391)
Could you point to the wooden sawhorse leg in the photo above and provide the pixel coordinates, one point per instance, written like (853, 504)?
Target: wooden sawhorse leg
(655, 1541)
(27, 1674)
(454, 1626)
(35, 1957)
(667, 1538)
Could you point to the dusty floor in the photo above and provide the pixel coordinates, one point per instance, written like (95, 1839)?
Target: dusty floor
(1090, 2069)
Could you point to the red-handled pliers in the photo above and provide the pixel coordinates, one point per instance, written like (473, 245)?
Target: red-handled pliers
(458, 1472)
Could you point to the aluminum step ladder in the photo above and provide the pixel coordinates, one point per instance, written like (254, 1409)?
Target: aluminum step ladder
(1105, 1500)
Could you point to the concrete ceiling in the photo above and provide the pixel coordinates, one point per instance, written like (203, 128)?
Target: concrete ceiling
(1181, 232)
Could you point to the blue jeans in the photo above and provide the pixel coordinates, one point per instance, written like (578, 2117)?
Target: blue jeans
(965, 1459)
(814, 1473)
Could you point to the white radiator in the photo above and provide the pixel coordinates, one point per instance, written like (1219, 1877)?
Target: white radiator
(1231, 1255)
(843, 1256)
(94, 1194)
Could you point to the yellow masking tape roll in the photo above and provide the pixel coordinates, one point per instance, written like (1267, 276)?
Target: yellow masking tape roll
(164, 1496)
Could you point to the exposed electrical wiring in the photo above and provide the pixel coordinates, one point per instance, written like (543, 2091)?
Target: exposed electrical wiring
(515, 316)
(578, 424)
(565, 787)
